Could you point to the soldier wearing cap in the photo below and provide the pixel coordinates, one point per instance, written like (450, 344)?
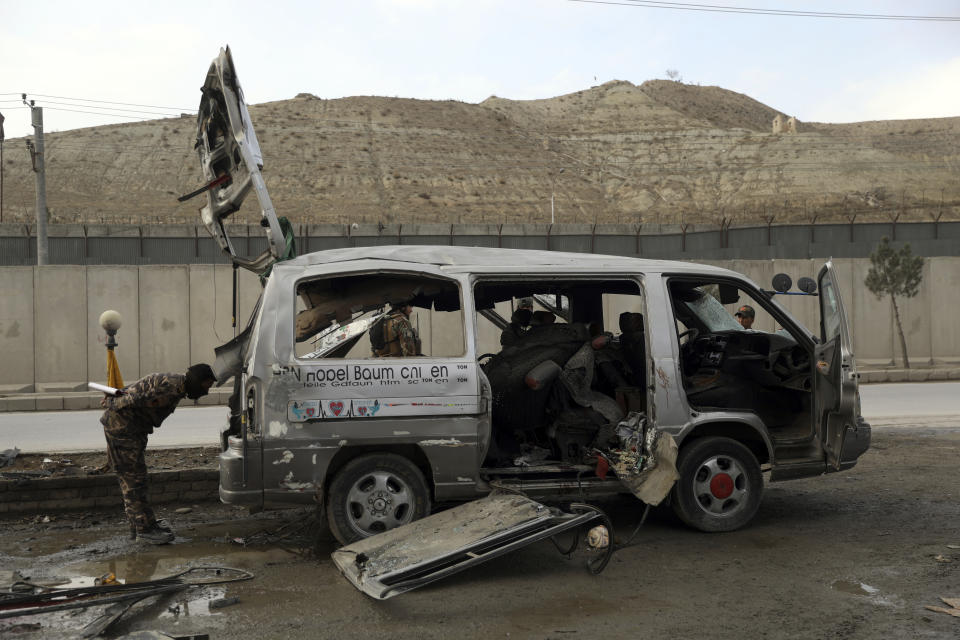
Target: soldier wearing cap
(745, 316)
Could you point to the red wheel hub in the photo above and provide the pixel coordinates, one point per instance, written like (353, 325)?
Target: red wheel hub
(721, 486)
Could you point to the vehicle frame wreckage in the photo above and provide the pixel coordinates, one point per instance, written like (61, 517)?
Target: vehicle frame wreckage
(644, 384)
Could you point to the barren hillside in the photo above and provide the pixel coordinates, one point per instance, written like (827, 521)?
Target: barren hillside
(662, 151)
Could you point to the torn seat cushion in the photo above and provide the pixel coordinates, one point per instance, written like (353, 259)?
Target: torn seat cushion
(515, 405)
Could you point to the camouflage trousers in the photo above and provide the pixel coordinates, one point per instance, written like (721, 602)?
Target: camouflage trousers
(126, 457)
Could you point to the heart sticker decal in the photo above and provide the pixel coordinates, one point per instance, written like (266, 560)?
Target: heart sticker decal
(336, 408)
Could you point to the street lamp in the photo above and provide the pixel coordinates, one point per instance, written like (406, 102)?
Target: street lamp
(110, 321)
(553, 184)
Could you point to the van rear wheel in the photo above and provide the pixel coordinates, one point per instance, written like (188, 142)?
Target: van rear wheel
(720, 485)
(375, 493)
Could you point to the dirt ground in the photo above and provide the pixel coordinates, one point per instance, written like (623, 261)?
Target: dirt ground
(95, 462)
(850, 555)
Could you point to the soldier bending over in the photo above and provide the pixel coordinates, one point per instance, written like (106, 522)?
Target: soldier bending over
(130, 417)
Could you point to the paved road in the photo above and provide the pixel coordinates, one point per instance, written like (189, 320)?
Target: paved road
(917, 404)
(917, 399)
(49, 431)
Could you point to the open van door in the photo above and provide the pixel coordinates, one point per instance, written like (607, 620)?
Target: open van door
(231, 160)
(835, 387)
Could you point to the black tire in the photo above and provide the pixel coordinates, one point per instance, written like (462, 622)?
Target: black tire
(374, 493)
(720, 485)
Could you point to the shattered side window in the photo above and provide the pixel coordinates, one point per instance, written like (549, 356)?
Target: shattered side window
(357, 316)
(831, 311)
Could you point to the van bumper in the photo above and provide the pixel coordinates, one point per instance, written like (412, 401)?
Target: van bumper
(246, 497)
(241, 476)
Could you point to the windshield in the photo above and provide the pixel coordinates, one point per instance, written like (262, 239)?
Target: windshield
(709, 310)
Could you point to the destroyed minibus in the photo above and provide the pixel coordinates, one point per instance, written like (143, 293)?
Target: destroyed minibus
(315, 418)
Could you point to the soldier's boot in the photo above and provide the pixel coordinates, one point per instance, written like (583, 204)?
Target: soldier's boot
(155, 536)
(162, 526)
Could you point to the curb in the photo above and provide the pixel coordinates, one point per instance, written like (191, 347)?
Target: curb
(909, 375)
(70, 493)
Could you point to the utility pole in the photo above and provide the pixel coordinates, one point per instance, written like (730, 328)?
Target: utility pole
(1, 167)
(36, 157)
(553, 188)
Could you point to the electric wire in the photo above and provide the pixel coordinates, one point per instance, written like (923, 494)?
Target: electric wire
(126, 104)
(110, 109)
(709, 8)
(112, 115)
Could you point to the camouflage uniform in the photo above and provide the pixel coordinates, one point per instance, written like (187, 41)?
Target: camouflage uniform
(127, 422)
(399, 337)
(512, 334)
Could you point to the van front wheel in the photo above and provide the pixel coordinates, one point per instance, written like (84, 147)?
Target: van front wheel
(720, 485)
(375, 493)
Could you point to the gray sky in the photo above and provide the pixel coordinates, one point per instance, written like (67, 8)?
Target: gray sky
(833, 70)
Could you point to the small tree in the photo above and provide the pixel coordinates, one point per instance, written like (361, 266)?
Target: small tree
(895, 273)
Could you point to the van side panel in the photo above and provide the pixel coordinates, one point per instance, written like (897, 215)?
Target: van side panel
(298, 452)
(298, 461)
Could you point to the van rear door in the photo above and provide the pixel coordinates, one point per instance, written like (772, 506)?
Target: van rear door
(835, 386)
(231, 160)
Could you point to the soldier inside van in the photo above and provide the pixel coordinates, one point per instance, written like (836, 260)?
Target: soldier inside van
(518, 327)
(542, 319)
(394, 336)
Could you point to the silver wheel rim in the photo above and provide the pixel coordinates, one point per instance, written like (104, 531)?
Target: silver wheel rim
(379, 501)
(720, 486)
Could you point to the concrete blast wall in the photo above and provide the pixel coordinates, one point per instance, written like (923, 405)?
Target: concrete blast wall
(173, 316)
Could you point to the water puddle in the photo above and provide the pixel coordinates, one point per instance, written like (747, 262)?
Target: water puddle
(166, 560)
(141, 564)
(873, 594)
(856, 588)
(195, 602)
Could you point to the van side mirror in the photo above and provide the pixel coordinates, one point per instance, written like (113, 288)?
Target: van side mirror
(807, 285)
(782, 283)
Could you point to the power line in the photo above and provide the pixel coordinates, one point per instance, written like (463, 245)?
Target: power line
(686, 6)
(114, 115)
(112, 109)
(126, 104)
